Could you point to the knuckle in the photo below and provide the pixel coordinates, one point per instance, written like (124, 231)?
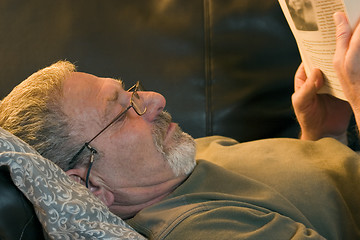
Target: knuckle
(336, 63)
(341, 34)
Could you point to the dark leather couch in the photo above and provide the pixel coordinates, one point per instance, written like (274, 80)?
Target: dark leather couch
(225, 66)
(17, 217)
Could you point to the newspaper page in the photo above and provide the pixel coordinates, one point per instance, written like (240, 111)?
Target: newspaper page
(313, 27)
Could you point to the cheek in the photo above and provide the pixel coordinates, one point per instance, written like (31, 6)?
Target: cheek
(132, 157)
(133, 146)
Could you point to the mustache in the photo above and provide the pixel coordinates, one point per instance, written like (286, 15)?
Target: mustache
(161, 124)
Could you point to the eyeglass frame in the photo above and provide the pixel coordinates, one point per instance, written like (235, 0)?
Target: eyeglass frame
(135, 88)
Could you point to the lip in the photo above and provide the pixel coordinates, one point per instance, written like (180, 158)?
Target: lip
(170, 130)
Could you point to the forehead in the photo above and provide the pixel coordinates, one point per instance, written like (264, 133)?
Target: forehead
(83, 92)
(81, 83)
(79, 89)
(84, 85)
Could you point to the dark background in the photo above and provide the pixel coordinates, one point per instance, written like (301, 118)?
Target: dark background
(225, 66)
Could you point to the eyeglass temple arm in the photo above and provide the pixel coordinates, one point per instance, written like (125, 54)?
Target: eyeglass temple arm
(135, 87)
(93, 152)
(72, 161)
(107, 126)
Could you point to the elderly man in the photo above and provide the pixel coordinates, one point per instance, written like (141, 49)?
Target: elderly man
(123, 146)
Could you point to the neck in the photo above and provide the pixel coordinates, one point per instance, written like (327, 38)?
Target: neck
(129, 201)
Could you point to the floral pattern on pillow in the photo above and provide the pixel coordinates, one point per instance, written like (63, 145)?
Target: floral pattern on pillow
(66, 209)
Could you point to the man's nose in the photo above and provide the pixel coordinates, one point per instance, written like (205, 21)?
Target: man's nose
(154, 103)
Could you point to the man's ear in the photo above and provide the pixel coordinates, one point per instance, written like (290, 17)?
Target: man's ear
(77, 174)
(96, 186)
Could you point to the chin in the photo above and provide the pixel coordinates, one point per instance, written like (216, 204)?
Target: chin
(181, 154)
(179, 149)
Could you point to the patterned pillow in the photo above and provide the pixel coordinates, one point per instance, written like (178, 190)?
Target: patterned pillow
(66, 209)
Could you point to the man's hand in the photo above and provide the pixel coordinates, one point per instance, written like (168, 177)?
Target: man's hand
(319, 115)
(347, 61)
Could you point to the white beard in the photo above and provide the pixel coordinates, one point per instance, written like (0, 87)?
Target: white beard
(180, 154)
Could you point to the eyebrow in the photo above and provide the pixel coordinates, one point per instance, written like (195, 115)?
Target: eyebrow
(121, 82)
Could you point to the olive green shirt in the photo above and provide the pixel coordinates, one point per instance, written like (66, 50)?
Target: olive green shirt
(267, 189)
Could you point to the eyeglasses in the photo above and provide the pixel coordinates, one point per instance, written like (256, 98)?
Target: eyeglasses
(136, 102)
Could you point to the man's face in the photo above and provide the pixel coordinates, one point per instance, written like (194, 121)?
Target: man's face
(142, 157)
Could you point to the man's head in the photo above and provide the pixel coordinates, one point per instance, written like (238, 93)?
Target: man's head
(140, 158)
(33, 113)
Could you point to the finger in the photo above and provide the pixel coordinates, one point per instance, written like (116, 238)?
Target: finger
(343, 36)
(314, 82)
(300, 77)
(318, 78)
(353, 53)
(305, 95)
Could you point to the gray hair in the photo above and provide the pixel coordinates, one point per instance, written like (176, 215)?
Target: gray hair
(33, 112)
